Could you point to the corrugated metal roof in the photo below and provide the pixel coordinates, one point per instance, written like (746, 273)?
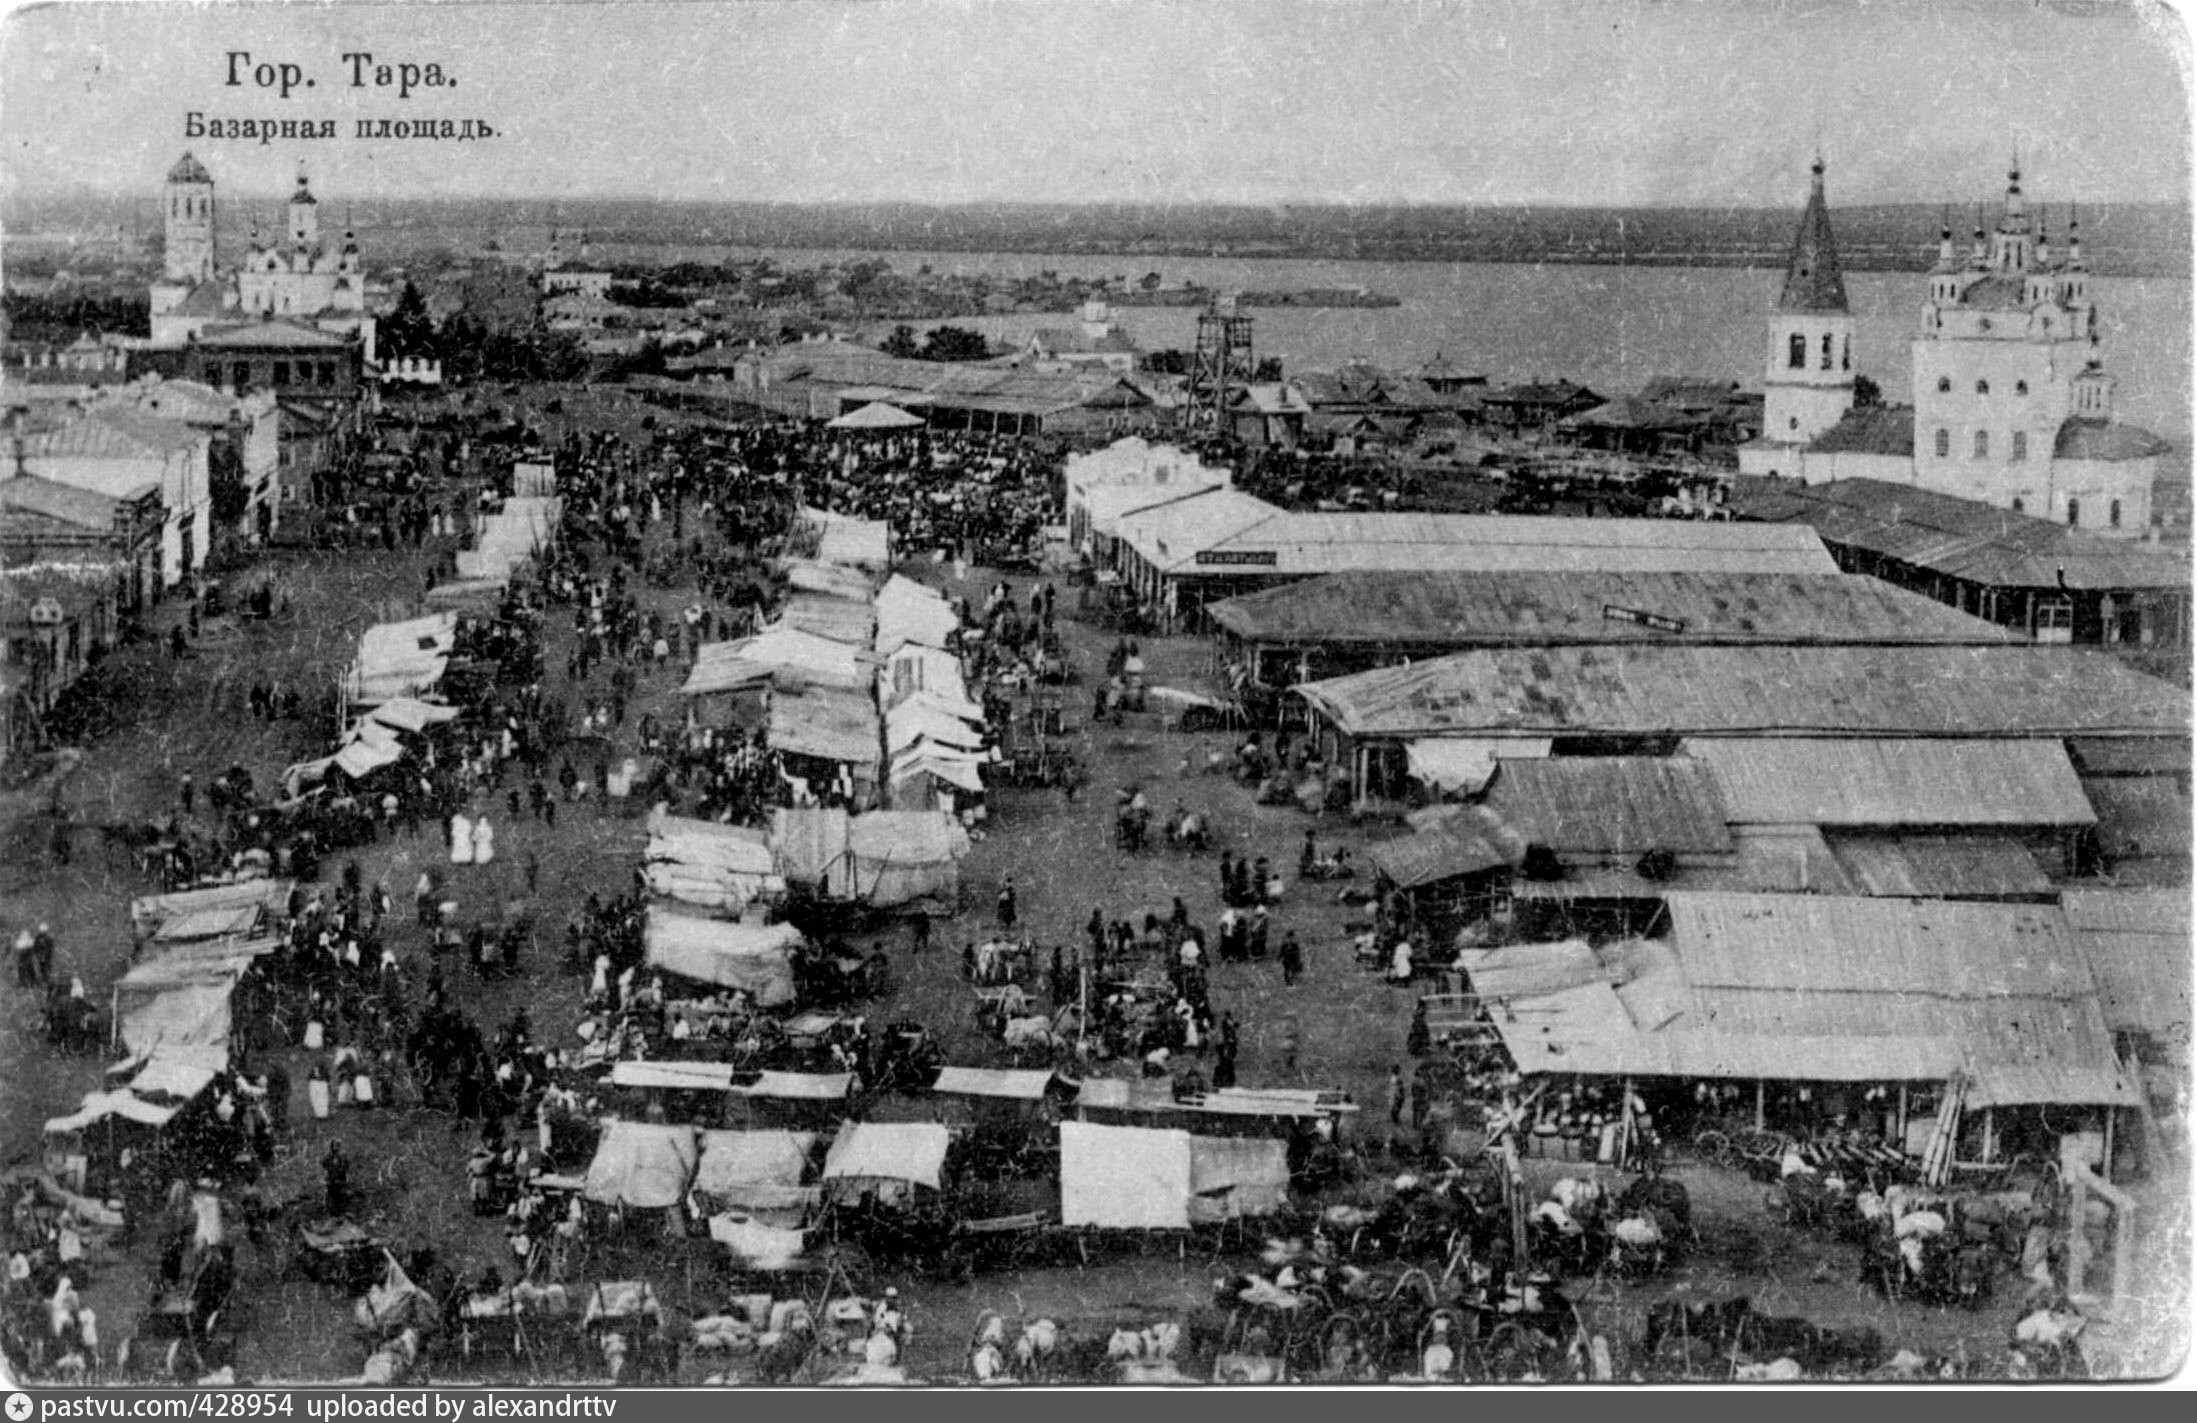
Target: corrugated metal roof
(283, 334)
(1567, 1048)
(1924, 948)
(1612, 805)
(1455, 610)
(115, 433)
(1314, 543)
(2138, 944)
(1960, 538)
(1942, 866)
(1170, 536)
(1886, 782)
(1774, 859)
(2006, 981)
(1765, 691)
(2140, 816)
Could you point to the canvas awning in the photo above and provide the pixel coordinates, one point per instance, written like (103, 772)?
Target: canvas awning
(675, 1076)
(99, 1106)
(1232, 1177)
(212, 922)
(735, 1159)
(411, 714)
(900, 856)
(757, 959)
(1124, 1178)
(1459, 846)
(1021, 1086)
(149, 912)
(826, 723)
(889, 1151)
(188, 1022)
(799, 1086)
(876, 415)
(810, 845)
(644, 1165)
(1532, 970)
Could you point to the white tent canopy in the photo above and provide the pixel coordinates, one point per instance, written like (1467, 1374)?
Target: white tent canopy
(757, 959)
(877, 415)
(736, 1159)
(645, 1165)
(1124, 1178)
(889, 1151)
(1014, 1085)
(411, 714)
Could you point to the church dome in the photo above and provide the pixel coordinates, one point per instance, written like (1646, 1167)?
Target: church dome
(189, 170)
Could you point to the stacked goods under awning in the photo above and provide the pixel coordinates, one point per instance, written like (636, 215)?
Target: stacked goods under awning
(784, 657)
(755, 959)
(699, 862)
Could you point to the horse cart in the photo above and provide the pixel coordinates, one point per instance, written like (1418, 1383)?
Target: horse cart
(340, 1253)
(188, 1314)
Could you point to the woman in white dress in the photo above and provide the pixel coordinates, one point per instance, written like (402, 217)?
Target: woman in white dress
(461, 839)
(484, 841)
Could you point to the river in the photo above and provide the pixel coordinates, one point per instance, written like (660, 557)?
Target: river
(1612, 327)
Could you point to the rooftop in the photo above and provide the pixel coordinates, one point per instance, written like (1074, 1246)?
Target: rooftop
(1517, 607)
(2105, 440)
(1812, 278)
(64, 503)
(1635, 689)
(1612, 805)
(1957, 537)
(1870, 430)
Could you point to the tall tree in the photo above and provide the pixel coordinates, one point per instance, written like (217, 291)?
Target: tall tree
(407, 331)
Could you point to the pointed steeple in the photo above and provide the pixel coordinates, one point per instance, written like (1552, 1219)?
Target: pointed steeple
(1812, 278)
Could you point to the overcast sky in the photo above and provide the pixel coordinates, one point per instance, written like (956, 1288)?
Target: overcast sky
(1506, 101)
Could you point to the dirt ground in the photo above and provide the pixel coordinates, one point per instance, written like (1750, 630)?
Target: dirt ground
(410, 1169)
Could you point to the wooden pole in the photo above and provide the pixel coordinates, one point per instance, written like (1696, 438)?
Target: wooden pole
(1761, 1116)
(2106, 1169)
(1902, 1142)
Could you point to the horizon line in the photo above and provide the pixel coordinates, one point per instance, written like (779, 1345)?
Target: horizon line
(278, 197)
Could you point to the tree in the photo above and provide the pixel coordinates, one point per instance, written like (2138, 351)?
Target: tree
(1867, 393)
(955, 343)
(225, 483)
(903, 343)
(408, 331)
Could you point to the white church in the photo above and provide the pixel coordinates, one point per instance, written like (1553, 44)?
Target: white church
(2012, 406)
(297, 278)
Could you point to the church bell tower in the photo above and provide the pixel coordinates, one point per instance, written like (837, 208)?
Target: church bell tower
(1809, 376)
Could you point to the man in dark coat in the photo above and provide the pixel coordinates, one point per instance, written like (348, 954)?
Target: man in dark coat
(335, 1171)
